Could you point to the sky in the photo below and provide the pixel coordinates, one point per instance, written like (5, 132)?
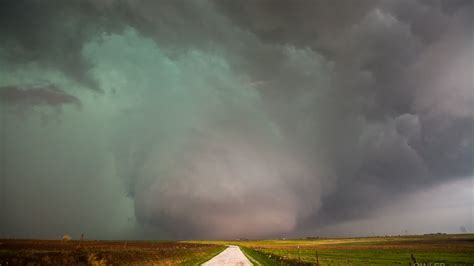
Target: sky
(227, 119)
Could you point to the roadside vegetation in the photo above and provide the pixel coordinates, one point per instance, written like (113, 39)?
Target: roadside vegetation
(258, 258)
(438, 248)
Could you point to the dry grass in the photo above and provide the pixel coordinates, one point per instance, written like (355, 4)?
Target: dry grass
(56, 252)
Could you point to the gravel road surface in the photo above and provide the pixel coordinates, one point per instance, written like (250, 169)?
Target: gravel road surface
(230, 256)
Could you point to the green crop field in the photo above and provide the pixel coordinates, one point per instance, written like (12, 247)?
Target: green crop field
(447, 249)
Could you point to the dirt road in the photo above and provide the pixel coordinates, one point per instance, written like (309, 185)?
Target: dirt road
(231, 256)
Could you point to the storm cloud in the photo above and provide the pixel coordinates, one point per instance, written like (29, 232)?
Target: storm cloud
(222, 119)
(27, 96)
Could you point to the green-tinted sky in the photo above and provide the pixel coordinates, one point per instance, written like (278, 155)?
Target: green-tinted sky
(219, 119)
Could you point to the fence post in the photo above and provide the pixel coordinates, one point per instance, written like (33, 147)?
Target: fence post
(413, 259)
(299, 256)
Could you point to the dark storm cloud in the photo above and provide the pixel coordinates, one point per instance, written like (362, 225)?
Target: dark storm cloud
(396, 147)
(51, 33)
(350, 102)
(29, 96)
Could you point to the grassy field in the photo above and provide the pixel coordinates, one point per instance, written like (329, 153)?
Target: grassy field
(56, 252)
(447, 249)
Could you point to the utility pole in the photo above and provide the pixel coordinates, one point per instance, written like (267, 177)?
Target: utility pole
(3, 171)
